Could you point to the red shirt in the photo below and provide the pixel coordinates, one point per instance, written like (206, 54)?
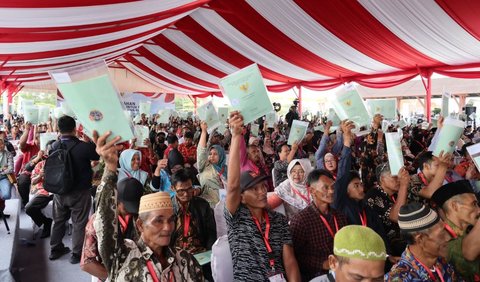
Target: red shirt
(29, 151)
(188, 153)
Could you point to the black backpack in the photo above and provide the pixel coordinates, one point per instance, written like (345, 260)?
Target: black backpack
(59, 175)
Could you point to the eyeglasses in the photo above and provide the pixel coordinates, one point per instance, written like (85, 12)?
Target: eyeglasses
(182, 192)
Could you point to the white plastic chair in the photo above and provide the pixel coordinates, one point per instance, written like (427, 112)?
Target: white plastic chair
(221, 263)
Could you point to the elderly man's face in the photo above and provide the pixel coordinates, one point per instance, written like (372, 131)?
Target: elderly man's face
(435, 243)
(157, 228)
(467, 208)
(355, 270)
(254, 154)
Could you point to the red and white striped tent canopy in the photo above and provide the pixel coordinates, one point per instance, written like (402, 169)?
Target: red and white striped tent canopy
(185, 46)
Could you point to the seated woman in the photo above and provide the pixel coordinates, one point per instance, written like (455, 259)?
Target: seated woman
(326, 160)
(130, 167)
(293, 192)
(285, 156)
(212, 168)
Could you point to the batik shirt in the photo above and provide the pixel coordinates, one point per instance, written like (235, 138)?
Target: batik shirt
(408, 269)
(382, 204)
(126, 260)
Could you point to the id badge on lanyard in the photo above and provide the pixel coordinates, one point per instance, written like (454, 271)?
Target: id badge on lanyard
(277, 278)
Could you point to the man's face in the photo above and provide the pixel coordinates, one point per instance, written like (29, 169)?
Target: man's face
(256, 197)
(355, 190)
(157, 228)
(254, 154)
(15, 130)
(430, 168)
(435, 243)
(323, 190)
(356, 270)
(184, 191)
(467, 208)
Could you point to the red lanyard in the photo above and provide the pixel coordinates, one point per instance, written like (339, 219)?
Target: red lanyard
(430, 274)
(450, 230)
(124, 222)
(363, 218)
(265, 237)
(186, 226)
(329, 228)
(154, 274)
(393, 199)
(423, 179)
(306, 199)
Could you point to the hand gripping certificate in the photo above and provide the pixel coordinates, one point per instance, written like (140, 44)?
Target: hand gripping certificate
(394, 151)
(208, 114)
(349, 105)
(247, 93)
(449, 135)
(297, 132)
(386, 107)
(96, 104)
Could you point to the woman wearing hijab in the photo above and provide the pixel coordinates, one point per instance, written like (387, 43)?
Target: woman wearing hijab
(130, 167)
(212, 167)
(293, 192)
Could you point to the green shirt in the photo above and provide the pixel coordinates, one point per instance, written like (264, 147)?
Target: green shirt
(468, 269)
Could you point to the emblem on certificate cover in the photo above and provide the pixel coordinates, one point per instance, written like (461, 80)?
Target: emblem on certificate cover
(348, 103)
(95, 115)
(244, 87)
(451, 143)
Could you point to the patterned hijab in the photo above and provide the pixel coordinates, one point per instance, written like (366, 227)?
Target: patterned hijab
(126, 170)
(284, 190)
(222, 160)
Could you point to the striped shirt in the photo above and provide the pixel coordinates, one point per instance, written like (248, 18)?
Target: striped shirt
(249, 254)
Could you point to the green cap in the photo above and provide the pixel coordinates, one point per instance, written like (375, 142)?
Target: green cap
(359, 242)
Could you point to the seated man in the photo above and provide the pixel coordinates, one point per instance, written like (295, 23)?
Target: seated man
(188, 149)
(424, 257)
(259, 238)
(359, 254)
(195, 228)
(460, 206)
(314, 227)
(149, 258)
(129, 191)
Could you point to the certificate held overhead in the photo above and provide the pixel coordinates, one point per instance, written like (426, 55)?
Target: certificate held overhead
(247, 93)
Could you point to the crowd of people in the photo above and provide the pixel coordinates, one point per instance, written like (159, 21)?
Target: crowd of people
(326, 208)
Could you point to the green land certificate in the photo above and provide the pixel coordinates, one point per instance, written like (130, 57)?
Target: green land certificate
(297, 132)
(474, 151)
(449, 135)
(247, 93)
(208, 114)
(349, 105)
(223, 114)
(144, 108)
(386, 107)
(96, 104)
(394, 151)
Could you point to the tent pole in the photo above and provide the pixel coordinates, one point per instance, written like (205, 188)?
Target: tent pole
(428, 99)
(300, 101)
(195, 105)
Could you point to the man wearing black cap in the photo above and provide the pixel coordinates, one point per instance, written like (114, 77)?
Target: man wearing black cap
(460, 206)
(129, 191)
(259, 238)
(424, 257)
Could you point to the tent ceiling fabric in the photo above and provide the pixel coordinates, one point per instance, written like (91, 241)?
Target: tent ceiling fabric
(186, 46)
